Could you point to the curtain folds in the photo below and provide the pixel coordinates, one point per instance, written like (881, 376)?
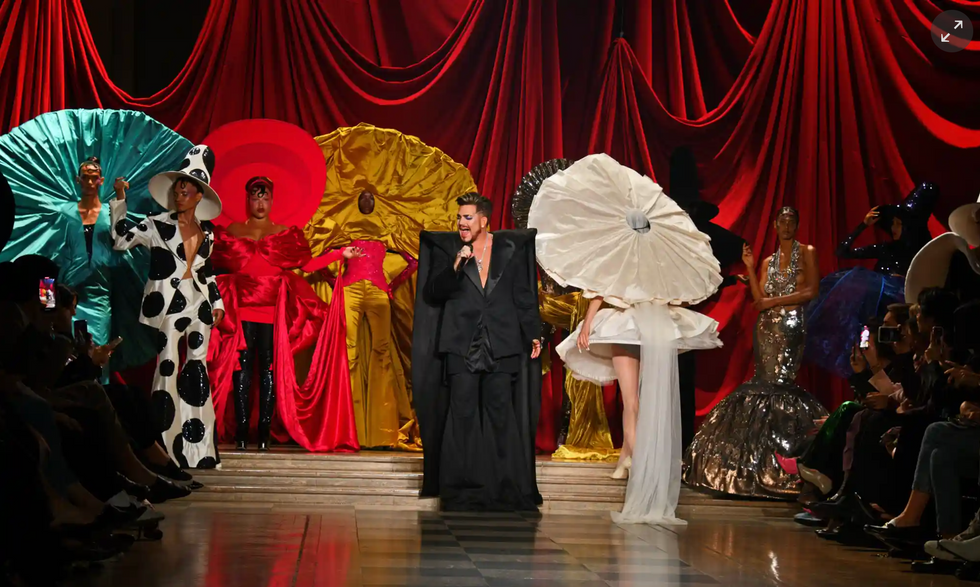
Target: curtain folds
(832, 106)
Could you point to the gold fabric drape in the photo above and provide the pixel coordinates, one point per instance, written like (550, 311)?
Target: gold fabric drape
(588, 438)
(415, 188)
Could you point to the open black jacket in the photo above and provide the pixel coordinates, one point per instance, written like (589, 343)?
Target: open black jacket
(448, 308)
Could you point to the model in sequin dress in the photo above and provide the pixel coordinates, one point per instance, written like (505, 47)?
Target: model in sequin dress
(850, 296)
(734, 451)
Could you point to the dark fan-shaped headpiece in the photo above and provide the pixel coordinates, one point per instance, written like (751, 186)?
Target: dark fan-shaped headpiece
(520, 203)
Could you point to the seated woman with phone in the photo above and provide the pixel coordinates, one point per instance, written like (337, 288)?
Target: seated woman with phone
(123, 410)
(882, 355)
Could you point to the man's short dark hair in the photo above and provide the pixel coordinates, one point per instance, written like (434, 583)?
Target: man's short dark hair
(901, 312)
(193, 182)
(483, 204)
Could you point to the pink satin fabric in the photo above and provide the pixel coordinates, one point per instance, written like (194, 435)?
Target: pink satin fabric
(318, 413)
(370, 267)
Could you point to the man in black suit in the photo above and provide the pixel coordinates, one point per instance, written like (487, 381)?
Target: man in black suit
(476, 374)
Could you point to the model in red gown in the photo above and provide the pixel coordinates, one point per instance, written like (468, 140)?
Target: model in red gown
(272, 314)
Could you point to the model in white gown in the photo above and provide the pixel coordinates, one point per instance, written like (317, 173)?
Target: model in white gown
(614, 234)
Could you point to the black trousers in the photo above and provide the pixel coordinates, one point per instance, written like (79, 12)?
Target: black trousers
(483, 458)
(258, 352)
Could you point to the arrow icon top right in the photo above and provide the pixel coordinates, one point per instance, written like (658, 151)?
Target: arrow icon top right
(952, 31)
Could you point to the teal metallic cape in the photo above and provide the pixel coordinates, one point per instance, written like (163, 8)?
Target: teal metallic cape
(40, 160)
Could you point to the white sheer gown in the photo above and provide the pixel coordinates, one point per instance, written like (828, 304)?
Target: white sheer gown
(611, 232)
(659, 332)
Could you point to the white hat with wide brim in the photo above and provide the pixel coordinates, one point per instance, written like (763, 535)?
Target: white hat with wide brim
(963, 221)
(930, 267)
(198, 167)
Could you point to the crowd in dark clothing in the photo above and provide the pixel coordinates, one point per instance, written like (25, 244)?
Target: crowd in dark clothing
(82, 458)
(898, 466)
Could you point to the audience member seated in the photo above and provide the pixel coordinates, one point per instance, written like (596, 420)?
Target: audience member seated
(130, 404)
(823, 465)
(67, 432)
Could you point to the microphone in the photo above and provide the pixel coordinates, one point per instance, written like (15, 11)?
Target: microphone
(465, 246)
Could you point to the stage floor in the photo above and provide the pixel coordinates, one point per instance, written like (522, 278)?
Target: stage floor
(209, 544)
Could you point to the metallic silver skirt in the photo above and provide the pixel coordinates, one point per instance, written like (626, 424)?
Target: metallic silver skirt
(734, 450)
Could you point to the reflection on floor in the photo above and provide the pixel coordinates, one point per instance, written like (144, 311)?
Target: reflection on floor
(236, 545)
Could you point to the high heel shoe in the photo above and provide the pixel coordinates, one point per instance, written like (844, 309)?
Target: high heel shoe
(623, 468)
(821, 481)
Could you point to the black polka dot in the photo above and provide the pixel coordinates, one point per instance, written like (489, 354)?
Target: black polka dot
(142, 227)
(173, 216)
(153, 304)
(130, 237)
(177, 304)
(123, 226)
(205, 271)
(181, 324)
(181, 253)
(198, 174)
(167, 368)
(213, 294)
(207, 463)
(163, 409)
(175, 282)
(193, 430)
(207, 226)
(178, 452)
(161, 341)
(166, 230)
(208, 158)
(162, 263)
(204, 313)
(193, 385)
(204, 251)
(195, 340)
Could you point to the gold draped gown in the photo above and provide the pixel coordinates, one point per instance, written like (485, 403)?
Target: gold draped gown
(415, 188)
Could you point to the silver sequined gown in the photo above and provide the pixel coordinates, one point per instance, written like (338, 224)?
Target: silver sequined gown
(734, 450)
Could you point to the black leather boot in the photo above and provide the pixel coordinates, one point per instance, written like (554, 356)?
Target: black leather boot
(242, 384)
(267, 406)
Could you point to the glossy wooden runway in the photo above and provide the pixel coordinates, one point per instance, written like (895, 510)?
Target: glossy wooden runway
(246, 545)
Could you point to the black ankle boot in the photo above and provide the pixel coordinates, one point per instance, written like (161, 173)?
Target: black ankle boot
(241, 385)
(267, 407)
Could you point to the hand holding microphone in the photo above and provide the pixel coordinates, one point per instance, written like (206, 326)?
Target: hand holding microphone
(464, 255)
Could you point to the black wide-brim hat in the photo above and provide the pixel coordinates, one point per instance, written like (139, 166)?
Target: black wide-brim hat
(6, 211)
(916, 208)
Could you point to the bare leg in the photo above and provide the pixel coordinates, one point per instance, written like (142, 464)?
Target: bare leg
(627, 367)
(80, 497)
(156, 455)
(131, 467)
(913, 511)
(63, 511)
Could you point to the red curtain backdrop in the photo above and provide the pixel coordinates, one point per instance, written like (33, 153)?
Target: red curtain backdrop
(832, 106)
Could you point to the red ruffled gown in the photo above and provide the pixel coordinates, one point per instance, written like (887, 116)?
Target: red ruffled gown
(260, 287)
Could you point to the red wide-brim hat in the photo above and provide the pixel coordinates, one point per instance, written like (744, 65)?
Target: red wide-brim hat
(285, 153)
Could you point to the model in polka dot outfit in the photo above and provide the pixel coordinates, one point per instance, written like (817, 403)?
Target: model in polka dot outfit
(180, 299)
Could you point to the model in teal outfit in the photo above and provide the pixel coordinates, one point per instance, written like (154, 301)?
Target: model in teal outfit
(41, 160)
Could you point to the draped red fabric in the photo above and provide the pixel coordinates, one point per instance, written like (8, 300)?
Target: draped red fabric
(318, 414)
(832, 106)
